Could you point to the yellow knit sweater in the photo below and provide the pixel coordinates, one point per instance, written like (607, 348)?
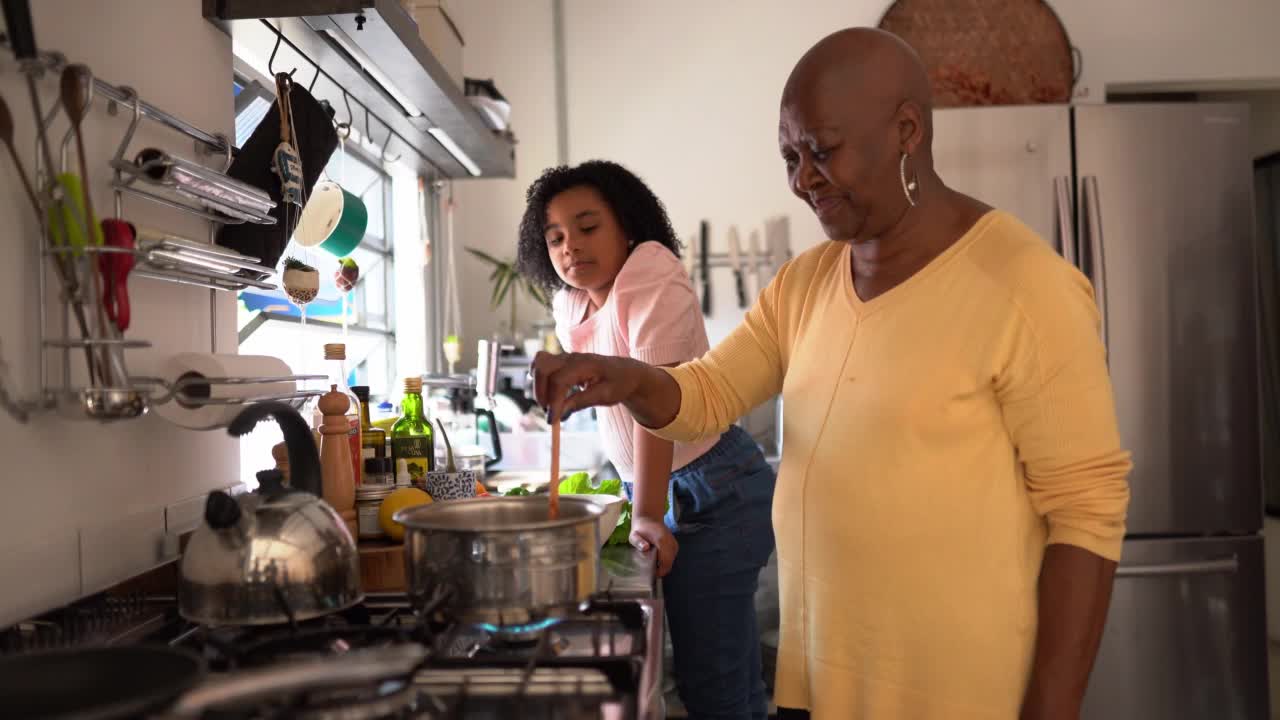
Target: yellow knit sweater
(936, 439)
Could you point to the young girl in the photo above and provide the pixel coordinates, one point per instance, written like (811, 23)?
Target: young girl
(597, 237)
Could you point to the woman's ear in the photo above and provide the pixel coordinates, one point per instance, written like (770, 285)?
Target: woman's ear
(910, 120)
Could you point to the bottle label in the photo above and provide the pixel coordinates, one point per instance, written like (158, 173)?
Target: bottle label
(416, 452)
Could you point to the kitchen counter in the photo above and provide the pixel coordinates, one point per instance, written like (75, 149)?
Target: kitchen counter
(627, 572)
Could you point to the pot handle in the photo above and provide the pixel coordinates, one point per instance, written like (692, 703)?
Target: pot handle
(354, 668)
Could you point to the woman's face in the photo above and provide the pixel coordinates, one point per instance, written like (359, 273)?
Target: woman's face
(843, 162)
(586, 244)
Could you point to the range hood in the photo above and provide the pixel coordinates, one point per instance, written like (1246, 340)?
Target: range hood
(372, 49)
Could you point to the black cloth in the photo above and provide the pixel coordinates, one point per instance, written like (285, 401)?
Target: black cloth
(789, 714)
(315, 139)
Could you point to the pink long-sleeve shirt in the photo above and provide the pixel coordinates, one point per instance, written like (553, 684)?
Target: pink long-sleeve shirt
(651, 315)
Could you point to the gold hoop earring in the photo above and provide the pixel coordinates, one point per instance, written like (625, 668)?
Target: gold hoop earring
(907, 187)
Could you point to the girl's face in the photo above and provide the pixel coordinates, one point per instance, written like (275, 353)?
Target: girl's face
(584, 240)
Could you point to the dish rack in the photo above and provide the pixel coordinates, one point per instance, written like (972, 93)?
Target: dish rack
(111, 392)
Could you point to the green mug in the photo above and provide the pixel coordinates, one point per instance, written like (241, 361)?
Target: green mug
(334, 220)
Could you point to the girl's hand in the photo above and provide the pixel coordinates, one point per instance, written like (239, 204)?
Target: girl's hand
(650, 533)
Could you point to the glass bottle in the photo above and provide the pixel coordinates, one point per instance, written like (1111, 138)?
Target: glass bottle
(335, 355)
(373, 441)
(411, 437)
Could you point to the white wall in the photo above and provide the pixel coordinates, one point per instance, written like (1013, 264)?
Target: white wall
(686, 93)
(85, 504)
(510, 42)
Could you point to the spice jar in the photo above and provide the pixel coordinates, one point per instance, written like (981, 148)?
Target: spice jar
(368, 501)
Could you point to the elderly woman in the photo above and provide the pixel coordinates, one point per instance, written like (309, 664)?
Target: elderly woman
(951, 502)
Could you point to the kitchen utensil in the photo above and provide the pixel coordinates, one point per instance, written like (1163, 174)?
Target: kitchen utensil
(115, 269)
(704, 260)
(450, 484)
(275, 555)
(100, 683)
(210, 188)
(553, 486)
(314, 137)
(287, 164)
(363, 667)
(334, 220)
(6, 134)
(753, 262)
(498, 562)
(987, 52)
(735, 261)
(77, 224)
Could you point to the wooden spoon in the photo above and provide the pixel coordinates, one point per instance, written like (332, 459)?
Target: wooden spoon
(553, 495)
(77, 86)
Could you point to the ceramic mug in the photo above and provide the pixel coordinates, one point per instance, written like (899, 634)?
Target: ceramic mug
(334, 220)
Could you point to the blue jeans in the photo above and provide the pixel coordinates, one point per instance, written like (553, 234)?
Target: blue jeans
(720, 513)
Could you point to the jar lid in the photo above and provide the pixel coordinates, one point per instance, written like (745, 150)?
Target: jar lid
(380, 465)
(373, 492)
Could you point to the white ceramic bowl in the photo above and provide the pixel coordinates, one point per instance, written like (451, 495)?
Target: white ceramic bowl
(611, 505)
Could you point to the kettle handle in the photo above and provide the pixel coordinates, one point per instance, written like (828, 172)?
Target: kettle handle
(304, 459)
(494, 436)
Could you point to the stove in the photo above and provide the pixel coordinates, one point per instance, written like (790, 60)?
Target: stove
(381, 660)
(602, 662)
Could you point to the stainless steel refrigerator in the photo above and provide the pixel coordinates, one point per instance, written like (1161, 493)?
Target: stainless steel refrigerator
(1154, 204)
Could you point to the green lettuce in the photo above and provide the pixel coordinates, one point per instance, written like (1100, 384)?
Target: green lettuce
(580, 484)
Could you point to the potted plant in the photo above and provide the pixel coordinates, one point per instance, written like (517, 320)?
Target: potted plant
(507, 284)
(301, 281)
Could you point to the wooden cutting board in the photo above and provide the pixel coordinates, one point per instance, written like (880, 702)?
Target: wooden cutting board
(382, 567)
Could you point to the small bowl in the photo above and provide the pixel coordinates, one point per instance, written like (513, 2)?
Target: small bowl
(611, 510)
(441, 485)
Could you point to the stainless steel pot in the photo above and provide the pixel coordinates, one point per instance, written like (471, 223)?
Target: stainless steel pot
(498, 562)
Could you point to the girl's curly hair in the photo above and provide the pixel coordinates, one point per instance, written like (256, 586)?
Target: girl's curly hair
(640, 214)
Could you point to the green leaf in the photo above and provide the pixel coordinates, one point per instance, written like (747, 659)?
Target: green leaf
(486, 257)
(621, 534)
(501, 289)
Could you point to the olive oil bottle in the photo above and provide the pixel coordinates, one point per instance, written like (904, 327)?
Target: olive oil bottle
(411, 436)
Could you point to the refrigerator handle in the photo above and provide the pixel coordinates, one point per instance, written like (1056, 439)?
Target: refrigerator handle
(1225, 565)
(1066, 228)
(1095, 268)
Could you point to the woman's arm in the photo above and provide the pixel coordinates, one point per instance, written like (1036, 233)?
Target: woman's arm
(1059, 411)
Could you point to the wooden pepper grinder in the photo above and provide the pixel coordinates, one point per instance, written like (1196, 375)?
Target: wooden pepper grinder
(280, 452)
(336, 477)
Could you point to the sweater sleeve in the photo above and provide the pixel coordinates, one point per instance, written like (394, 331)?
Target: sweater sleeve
(735, 376)
(657, 309)
(1059, 410)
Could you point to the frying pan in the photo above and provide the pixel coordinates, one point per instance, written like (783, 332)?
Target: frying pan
(106, 683)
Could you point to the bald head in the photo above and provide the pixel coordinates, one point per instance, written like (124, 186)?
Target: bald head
(855, 129)
(867, 67)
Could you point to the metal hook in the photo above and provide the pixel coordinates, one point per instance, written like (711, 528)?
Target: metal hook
(314, 79)
(271, 62)
(387, 143)
(226, 149)
(344, 128)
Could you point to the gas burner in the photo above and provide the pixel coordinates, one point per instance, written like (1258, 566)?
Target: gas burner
(292, 645)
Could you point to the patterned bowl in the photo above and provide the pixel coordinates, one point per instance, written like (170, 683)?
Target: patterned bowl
(441, 485)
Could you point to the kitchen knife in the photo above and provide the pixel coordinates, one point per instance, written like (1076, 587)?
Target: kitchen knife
(704, 252)
(753, 261)
(735, 261)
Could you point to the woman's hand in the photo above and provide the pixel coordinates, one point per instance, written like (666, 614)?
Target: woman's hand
(599, 381)
(650, 533)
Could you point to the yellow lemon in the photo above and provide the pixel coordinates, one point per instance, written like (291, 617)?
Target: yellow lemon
(394, 503)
